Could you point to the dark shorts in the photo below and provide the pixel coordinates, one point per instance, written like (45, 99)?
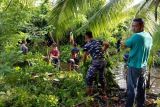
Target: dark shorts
(55, 60)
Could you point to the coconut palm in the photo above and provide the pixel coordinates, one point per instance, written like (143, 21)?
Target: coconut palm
(99, 16)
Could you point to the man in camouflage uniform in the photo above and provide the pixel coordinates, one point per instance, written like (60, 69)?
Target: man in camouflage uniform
(96, 50)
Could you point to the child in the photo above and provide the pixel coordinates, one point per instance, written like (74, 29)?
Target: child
(54, 54)
(74, 61)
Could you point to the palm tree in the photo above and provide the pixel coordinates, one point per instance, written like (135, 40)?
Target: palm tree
(107, 15)
(103, 16)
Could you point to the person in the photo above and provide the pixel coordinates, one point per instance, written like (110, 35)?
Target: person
(96, 50)
(54, 54)
(140, 44)
(71, 39)
(23, 47)
(74, 61)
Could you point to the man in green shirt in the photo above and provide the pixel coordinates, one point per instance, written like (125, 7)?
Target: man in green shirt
(140, 44)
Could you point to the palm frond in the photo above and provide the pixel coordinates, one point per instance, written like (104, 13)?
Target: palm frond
(8, 4)
(147, 13)
(148, 4)
(156, 40)
(108, 17)
(157, 2)
(67, 10)
(142, 6)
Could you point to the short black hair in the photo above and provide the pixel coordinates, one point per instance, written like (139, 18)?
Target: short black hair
(89, 34)
(75, 45)
(23, 41)
(139, 20)
(54, 44)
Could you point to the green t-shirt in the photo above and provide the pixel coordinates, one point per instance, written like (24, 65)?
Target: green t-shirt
(140, 45)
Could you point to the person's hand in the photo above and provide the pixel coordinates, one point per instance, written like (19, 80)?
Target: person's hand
(105, 46)
(123, 46)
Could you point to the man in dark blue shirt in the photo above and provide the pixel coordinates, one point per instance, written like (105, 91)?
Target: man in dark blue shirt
(96, 50)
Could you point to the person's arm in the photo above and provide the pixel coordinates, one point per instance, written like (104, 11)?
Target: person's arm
(50, 55)
(85, 50)
(57, 54)
(132, 40)
(26, 50)
(123, 46)
(128, 42)
(85, 56)
(105, 46)
(71, 39)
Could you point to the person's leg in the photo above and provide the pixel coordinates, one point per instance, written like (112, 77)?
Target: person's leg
(76, 61)
(76, 65)
(100, 65)
(140, 98)
(70, 64)
(132, 78)
(125, 71)
(58, 64)
(102, 79)
(89, 79)
(55, 60)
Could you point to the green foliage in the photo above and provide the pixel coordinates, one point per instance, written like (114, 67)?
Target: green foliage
(107, 37)
(40, 67)
(20, 97)
(108, 17)
(24, 80)
(65, 54)
(14, 14)
(72, 89)
(43, 90)
(27, 86)
(47, 101)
